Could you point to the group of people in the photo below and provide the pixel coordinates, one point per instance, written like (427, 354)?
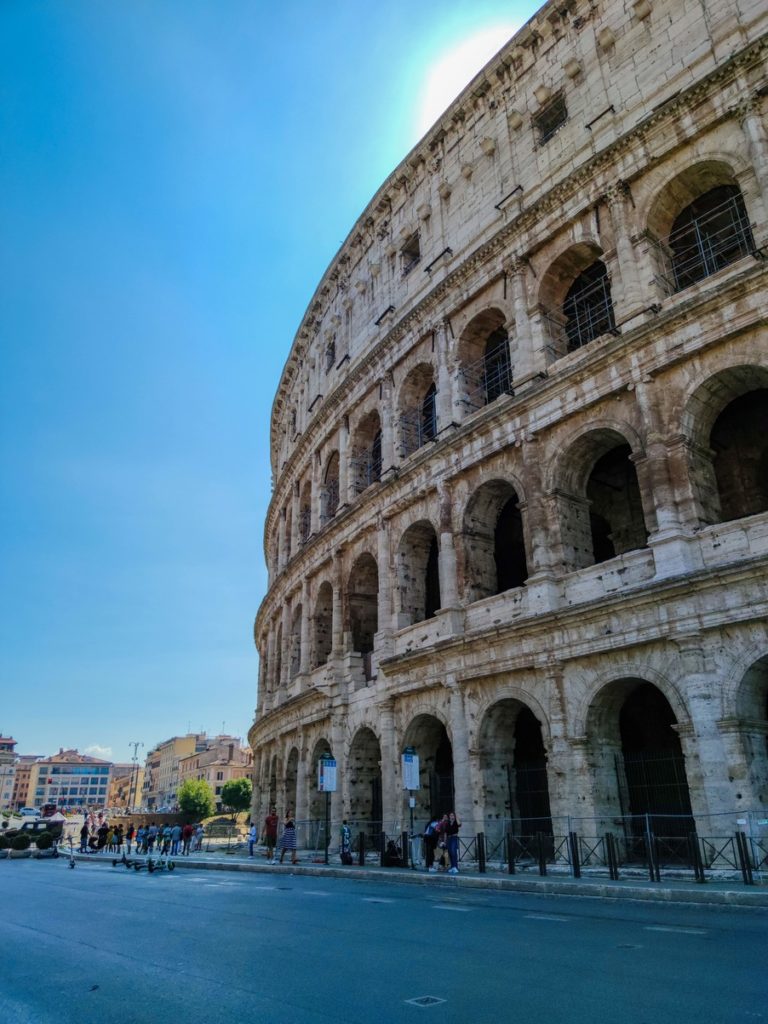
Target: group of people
(165, 839)
(441, 843)
(287, 842)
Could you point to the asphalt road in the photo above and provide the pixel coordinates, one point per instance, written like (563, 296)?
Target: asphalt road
(97, 945)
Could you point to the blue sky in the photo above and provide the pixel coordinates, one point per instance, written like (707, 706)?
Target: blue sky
(175, 176)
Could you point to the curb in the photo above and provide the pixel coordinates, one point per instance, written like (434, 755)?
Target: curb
(700, 895)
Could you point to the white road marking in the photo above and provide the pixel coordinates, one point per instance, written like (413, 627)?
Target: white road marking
(315, 892)
(545, 917)
(375, 899)
(678, 931)
(444, 906)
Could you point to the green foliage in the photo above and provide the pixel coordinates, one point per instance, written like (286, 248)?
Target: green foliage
(195, 799)
(236, 795)
(21, 841)
(44, 841)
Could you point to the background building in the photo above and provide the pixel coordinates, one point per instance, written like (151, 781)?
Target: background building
(520, 509)
(70, 780)
(224, 758)
(7, 771)
(125, 786)
(161, 769)
(22, 782)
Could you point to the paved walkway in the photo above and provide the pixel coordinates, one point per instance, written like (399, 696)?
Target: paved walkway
(715, 892)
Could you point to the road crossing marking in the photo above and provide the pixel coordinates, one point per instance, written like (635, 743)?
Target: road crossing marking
(545, 917)
(678, 931)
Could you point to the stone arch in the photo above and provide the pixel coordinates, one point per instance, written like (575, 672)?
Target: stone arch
(725, 420)
(417, 409)
(513, 766)
(329, 498)
(599, 498)
(575, 298)
(364, 780)
(417, 573)
(428, 735)
(363, 602)
(701, 220)
(637, 763)
(317, 800)
(366, 451)
(748, 764)
(494, 542)
(323, 625)
(484, 357)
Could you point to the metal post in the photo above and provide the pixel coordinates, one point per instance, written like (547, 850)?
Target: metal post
(573, 843)
(698, 867)
(510, 854)
(404, 852)
(481, 852)
(744, 863)
(610, 854)
(382, 847)
(327, 823)
(361, 850)
(649, 849)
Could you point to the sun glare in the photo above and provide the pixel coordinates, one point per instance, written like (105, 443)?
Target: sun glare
(453, 70)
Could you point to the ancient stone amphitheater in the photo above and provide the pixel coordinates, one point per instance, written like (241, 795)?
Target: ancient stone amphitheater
(520, 451)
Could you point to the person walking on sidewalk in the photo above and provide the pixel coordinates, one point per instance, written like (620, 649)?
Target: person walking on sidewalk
(288, 839)
(253, 836)
(430, 844)
(452, 832)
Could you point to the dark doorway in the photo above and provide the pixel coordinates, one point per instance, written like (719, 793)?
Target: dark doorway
(441, 779)
(509, 548)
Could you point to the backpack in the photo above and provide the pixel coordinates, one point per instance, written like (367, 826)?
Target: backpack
(430, 829)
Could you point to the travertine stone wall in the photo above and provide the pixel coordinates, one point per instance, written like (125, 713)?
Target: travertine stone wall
(520, 508)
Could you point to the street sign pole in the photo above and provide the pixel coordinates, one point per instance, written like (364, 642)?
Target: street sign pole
(326, 783)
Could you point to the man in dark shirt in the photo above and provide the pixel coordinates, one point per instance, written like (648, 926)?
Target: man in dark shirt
(270, 834)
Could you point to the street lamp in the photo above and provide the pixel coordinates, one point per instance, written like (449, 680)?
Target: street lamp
(134, 775)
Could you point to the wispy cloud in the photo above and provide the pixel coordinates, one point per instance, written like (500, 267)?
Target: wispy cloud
(97, 751)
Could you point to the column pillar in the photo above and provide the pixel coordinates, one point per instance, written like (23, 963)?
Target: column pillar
(390, 803)
(337, 626)
(384, 606)
(344, 475)
(342, 783)
(460, 746)
(530, 361)
(446, 400)
(316, 498)
(306, 620)
(387, 429)
(754, 130)
(295, 500)
(302, 786)
(285, 654)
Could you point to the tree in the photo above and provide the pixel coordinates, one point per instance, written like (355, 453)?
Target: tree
(195, 799)
(236, 795)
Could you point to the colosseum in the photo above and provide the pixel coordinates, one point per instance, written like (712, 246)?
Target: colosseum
(519, 522)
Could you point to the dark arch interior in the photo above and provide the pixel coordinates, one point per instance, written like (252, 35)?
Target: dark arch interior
(616, 511)
(708, 234)
(509, 547)
(739, 440)
(432, 581)
(588, 308)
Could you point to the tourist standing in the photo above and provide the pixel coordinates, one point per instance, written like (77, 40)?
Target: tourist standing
(253, 835)
(270, 834)
(452, 833)
(288, 839)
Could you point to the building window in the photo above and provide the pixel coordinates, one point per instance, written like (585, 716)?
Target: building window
(219, 776)
(410, 254)
(550, 118)
(330, 356)
(710, 233)
(588, 309)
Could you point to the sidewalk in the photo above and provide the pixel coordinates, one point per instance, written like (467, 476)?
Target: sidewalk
(715, 892)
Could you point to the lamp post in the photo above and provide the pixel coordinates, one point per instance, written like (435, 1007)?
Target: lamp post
(134, 775)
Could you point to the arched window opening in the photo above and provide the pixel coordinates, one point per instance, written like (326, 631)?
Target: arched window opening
(418, 410)
(494, 542)
(367, 459)
(331, 488)
(489, 377)
(652, 769)
(509, 548)
(429, 738)
(288, 531)
(616, 512)
(323, 632)
(278, 659)
(588, 307)
(432, 582)
(418, 575)
(363, 598)
(739, 441)
(365, 804)
(709, 234)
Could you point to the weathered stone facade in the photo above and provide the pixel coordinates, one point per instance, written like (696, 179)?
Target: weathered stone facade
(520, 446)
